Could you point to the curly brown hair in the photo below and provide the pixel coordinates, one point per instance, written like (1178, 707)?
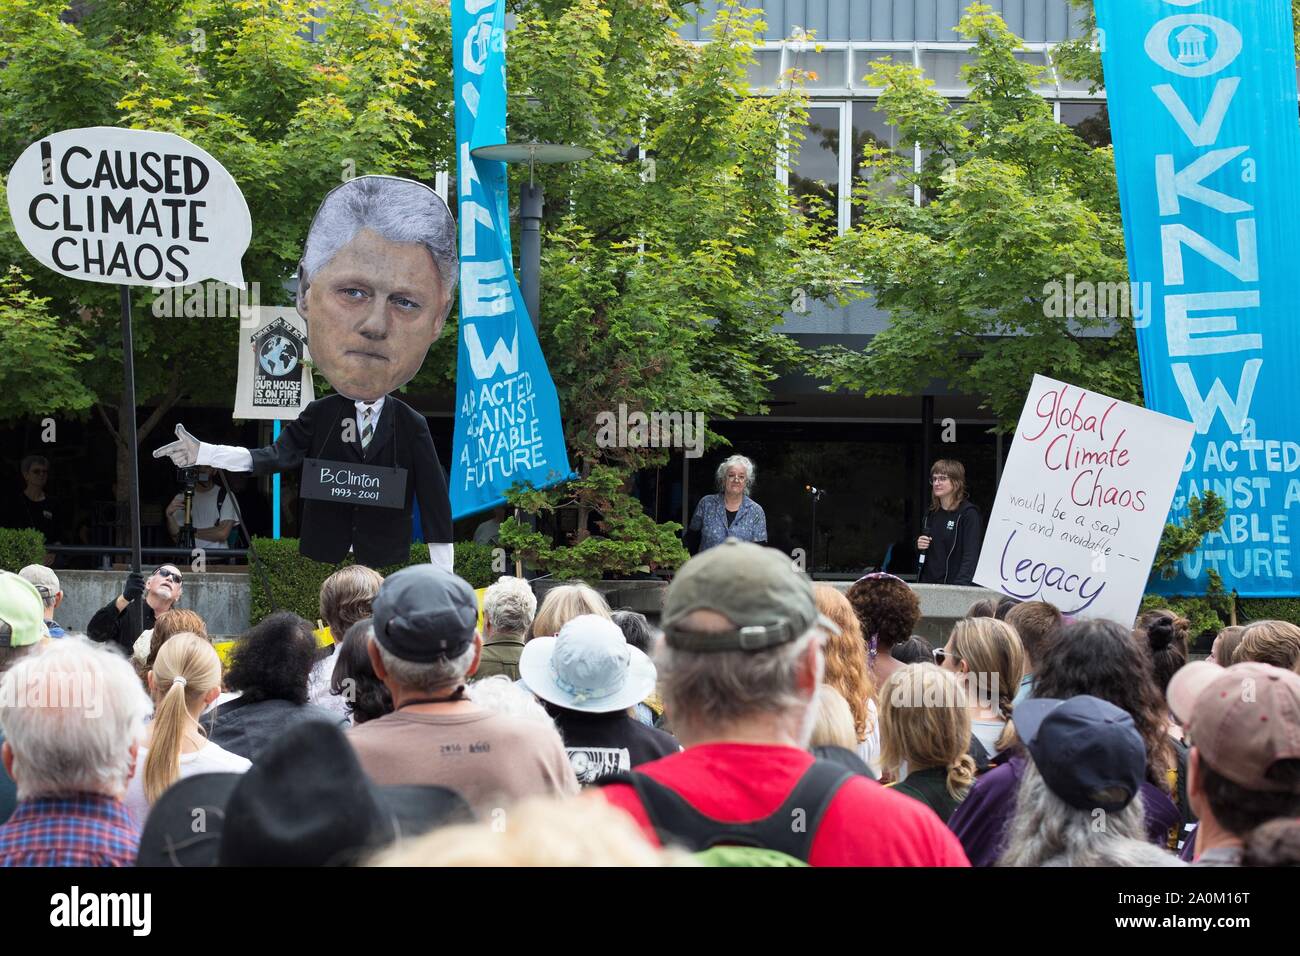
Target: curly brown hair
(887, 608)
(846, 658)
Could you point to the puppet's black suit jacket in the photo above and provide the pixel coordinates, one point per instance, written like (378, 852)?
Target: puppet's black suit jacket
(379, 536)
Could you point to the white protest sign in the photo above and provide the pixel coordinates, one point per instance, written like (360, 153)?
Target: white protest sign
(1083, 501)
(130, 207)
(274, 381)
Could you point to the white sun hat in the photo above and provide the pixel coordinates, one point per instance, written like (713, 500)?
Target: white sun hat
(589, 666)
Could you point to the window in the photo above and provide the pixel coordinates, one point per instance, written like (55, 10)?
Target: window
(872, 128)
(1046, 85)
(944, 68)
(827, 68)
(1090, 120)
(828, 162)
(865, 60)
(815, 170)
(765, 73)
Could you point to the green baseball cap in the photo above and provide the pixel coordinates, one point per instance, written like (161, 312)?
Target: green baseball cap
(22, 612)
(755, 588)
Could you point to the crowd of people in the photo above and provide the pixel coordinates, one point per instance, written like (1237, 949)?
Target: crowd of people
(762, 720)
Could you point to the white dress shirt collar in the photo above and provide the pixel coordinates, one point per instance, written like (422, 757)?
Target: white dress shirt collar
(376, 407)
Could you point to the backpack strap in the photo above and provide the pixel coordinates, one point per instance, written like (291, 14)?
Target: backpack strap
(790, 829)
(1181, 755)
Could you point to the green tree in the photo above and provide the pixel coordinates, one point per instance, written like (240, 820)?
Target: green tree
(663, 280)
(40, 356)
(1206, 612)
(288, 117)
(1014, 202)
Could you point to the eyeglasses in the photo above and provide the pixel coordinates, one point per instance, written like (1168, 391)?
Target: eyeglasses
(941, 655)
(165, 573)
(939, 479)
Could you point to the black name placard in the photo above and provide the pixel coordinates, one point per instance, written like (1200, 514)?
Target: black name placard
(353, 483)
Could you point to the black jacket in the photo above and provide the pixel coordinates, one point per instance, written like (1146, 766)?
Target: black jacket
(110, 625)
(954, 551)
(930, 786)
(246, 728)
(379, 536)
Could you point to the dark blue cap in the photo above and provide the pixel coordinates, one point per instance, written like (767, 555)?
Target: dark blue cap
(1088, 751)
(424, 613)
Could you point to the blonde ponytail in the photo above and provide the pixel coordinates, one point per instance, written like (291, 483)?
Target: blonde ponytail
(993, 652)
(162, 766)
(186, 669)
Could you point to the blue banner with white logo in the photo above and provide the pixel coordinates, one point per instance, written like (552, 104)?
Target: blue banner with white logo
(508, 426)
(1203, 112)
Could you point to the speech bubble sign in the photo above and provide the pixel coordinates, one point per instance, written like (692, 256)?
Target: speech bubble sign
(129, 207)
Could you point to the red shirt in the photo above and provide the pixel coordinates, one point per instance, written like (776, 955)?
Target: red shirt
(865, 825)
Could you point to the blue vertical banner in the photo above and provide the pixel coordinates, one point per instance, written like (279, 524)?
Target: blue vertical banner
(508, 426)
(1203, 111)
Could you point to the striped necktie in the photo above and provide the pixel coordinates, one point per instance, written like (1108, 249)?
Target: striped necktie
(367, 426)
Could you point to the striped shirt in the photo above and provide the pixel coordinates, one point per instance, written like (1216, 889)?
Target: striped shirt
(84, 829)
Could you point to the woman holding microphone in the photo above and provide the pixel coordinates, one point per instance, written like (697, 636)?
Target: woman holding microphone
(949, 547)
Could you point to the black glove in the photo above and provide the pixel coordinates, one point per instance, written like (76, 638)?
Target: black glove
(134, 586)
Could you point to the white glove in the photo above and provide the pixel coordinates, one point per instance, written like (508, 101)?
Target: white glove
(184, 452)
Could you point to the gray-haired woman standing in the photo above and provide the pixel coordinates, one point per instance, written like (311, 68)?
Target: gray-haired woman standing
(730, 513)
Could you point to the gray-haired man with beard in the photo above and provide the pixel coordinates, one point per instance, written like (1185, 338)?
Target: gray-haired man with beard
(112, 622)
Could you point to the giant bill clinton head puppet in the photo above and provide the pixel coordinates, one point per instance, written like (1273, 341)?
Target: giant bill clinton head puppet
(375, 287)
(376, 281)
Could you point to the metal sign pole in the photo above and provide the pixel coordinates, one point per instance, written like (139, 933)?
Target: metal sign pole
(127, 428)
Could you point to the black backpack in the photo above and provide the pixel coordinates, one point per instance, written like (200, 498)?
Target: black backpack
(678, 823)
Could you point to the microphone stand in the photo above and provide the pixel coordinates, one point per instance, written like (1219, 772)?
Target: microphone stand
(816, 494)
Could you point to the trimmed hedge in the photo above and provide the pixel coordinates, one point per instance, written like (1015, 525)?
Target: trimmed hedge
(21, 548)
(1207, 619)
(1269, 609)
(295, 581)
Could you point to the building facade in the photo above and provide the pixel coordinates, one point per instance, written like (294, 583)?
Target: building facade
(871, 456)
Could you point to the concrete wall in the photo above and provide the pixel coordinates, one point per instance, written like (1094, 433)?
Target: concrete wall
(941, 605)
(221, 599)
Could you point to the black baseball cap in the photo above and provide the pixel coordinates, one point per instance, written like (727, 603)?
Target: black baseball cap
(1088, 751)
(424, 614)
